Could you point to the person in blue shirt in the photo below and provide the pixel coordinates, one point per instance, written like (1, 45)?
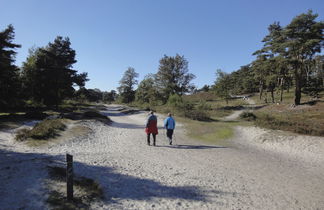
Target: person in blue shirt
(169, 124)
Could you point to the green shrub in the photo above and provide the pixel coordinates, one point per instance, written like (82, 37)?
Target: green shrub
(249, 116)
(22, 134)
(175, 100)
(204, 106)
(42, 130)
(47, 129)
(200, 115)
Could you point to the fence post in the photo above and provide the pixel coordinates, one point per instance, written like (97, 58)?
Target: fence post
(69, 177)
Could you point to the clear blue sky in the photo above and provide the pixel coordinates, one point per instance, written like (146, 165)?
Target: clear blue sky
(110, 36)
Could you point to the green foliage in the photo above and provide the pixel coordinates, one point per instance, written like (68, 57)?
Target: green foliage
(197, 114)
(175, 100)
(306, 119)
(248, 116)
(187, 109)
(95, 95)
(48, 75)
(9, 73)
(127, 83)
(173, 77)
(42, 130)
(204, 106)
(223, 85)
(289, 51)
(146, 92)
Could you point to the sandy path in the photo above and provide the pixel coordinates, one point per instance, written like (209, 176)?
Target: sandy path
(189, 175)
(237, 113)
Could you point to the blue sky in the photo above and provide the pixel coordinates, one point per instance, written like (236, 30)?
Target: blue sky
(111, 35)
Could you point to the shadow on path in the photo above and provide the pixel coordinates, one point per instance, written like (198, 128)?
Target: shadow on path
(132, 126)
(117, 187)
(192, 147)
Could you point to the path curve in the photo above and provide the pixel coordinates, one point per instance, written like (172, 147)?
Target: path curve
(188, 175)
(237, 113)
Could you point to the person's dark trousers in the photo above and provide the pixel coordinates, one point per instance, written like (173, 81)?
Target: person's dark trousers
(169, 135)
(148, 138)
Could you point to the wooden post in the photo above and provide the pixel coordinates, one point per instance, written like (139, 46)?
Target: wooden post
(69, 177)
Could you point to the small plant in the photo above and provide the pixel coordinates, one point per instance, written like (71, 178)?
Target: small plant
(22, 134)
(175, 100)
(204, 106)
(248, 116)
(200, 115)
(42, 130)
(86, 191)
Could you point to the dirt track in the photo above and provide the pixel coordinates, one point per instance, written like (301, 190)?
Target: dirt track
(188, 175)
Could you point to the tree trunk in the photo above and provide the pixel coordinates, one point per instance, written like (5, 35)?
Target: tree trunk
(272, 96)
(297, 89)
(266, 97)
(260, 90)
(281, 89)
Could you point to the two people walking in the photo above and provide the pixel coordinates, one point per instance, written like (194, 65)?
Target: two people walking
(151, 127)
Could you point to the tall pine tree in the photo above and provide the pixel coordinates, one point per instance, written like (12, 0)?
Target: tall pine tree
(9, 73)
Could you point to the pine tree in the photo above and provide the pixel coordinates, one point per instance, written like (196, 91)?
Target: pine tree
(9, 73)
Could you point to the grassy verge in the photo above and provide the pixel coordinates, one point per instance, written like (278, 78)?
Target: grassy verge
(288, 98)
(303, 119)
(85, 191)
(213, 132)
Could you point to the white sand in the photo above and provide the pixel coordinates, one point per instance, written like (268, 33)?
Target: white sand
(189, 175)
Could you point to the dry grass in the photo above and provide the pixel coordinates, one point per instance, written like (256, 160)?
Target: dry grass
(304, 119)
(212, 132)
(43, 130)
(74, 130)
(85, 190)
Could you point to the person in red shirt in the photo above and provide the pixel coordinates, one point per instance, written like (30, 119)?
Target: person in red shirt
(151, 127)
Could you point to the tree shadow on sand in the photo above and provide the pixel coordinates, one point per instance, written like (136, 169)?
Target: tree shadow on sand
(119, 186)
(116, 186)
(130, 126)
(179, 146)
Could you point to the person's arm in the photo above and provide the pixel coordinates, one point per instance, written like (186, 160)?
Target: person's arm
(147, 122)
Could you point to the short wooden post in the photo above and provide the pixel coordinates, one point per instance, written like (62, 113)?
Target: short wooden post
(69, 177)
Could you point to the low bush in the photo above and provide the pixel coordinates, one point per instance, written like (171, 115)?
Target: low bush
(42, 130)
(86, 190)
(200, 115)
(248, 116)
(22, 134)
(204, 106)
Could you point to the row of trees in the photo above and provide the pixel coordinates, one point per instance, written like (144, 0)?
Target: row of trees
(172, 78)
(46, 77)
(95, 95)
(289, 57)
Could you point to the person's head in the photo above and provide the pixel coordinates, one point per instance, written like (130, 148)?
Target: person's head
(151, 112)
(169, 114)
